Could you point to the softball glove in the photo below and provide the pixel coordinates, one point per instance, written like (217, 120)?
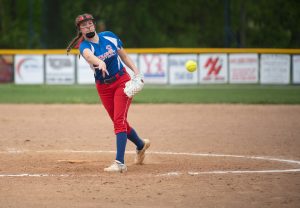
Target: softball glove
(134, 86)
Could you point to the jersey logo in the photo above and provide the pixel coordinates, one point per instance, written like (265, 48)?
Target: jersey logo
(110, 52)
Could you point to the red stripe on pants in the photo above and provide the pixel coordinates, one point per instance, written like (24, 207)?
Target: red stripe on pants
(116, 102)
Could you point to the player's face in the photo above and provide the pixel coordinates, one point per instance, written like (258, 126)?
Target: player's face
(87, 26)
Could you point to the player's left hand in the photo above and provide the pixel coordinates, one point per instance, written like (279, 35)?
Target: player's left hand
(134, 86)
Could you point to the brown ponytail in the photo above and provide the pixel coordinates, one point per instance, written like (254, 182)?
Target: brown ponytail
(74, 42)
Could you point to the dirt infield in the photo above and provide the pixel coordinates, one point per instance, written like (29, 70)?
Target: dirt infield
(200, 156)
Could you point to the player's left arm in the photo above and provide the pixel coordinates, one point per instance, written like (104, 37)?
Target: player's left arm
(136, 84)
(128, 61)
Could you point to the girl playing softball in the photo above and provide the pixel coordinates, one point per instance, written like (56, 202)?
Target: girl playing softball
(103, 52)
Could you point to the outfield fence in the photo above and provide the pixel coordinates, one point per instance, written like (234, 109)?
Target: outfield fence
(159, 66)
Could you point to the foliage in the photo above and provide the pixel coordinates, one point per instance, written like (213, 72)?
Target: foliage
(154, 23)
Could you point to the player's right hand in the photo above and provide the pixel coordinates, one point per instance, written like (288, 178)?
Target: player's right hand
(97, 63)
(101, 66)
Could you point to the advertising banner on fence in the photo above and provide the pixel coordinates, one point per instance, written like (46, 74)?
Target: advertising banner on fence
(134, 58)
(6, 68)
(296, 69)
(213, 68)
(243, 68)
(274, 69)
(154, 67)
(29, 69)
(85, 75)
(177, 71)
(60, 69)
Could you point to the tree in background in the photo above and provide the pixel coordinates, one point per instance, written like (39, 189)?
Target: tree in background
(266, 23)
(154, 23)
(20, 23)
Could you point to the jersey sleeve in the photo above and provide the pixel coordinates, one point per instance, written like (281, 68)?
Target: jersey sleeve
(113, 38)
(84, 45)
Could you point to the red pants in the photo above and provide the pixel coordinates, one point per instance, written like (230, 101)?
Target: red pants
(116, 102)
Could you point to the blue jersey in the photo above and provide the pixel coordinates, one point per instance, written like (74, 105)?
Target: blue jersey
(107, 51)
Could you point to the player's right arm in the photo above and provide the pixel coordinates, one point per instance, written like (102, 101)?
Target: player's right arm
(94, 61)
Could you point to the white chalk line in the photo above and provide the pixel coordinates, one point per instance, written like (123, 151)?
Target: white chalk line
(266, 158)
(34, 175)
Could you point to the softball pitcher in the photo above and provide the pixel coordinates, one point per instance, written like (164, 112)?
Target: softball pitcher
(103, 52)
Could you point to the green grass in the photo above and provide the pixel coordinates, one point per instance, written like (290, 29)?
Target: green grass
(246, 94)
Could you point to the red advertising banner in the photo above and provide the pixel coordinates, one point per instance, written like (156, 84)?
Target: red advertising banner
(154, 67)
(6, 68)
(213, 68)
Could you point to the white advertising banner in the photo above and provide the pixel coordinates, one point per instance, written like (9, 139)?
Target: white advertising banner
(213, 68)
(296, 69)
(275, 69)
(178, 73)
(29, 69)
(85, 75)
(60, 69)
(154, 67)
(134, 58)
(243, 68)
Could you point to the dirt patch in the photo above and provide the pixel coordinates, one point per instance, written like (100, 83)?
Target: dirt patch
(61, 151)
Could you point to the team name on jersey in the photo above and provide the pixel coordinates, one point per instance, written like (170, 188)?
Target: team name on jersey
(110, 52)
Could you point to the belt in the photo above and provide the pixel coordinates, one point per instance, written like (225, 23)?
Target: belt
(112, 79)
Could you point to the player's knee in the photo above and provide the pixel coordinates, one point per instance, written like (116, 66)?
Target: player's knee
(120, 127)
(128, 129)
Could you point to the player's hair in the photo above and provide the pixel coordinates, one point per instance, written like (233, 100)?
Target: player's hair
(74, 41)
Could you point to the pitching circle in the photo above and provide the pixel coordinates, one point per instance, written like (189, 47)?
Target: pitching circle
(261, 158)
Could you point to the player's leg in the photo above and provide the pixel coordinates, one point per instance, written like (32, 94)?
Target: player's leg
(107, 98)
(121, 106)
(141, 144)
(122, 103)
(106, 93)
(134, 137)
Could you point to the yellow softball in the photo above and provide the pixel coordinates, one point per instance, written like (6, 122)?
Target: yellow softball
(191, 65)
